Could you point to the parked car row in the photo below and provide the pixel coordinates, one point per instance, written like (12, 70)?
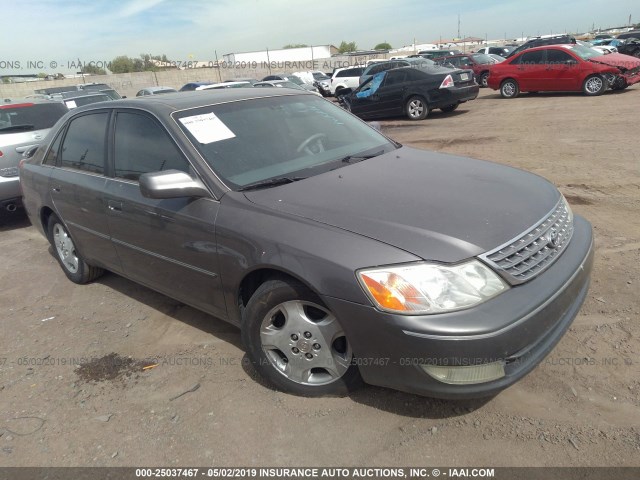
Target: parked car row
(342, 256)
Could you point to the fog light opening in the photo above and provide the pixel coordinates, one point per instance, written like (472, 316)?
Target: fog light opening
(466, 375)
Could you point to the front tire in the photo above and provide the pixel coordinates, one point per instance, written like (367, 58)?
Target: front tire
(450, 108)
(594, 85)
(509, 88)
(296, 343)
(72, 263)
(620, 83)
(416, 108)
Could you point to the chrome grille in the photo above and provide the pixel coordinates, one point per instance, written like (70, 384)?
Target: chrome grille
(535, 250)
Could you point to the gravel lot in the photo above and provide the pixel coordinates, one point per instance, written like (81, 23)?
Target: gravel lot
(202, 405)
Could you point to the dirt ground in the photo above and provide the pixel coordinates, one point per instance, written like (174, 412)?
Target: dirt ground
(200, 404)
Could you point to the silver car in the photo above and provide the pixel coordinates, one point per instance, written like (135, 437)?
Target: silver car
(155, 91)
(23, 124)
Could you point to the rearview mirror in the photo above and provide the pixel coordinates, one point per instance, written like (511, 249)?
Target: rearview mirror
(171, 184)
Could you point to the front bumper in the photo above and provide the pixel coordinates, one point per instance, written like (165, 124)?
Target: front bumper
(519, 327)
(632, 78)
(443, 97)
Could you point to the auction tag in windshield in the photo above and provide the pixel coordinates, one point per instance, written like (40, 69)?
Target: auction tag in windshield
(207, 128)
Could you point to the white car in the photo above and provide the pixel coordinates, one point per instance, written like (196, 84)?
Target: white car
(604, 49)
(215, 86)
(347, 77)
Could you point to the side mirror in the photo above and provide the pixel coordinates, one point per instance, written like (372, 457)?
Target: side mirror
(171, 184)
(345, 91)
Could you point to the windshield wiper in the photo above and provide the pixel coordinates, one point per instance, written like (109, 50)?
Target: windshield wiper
(271, 182)
(17, 127)
(360, 158)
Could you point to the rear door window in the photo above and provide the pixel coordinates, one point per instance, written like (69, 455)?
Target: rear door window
(84, 144)
(532, 58)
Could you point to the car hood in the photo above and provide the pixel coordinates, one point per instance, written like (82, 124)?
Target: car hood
(436, 206)
(618, 60)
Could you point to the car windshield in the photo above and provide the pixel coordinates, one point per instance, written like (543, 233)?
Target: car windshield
(292, 136)
(294, 79)
(482, 59)
(86, 100)
(584, 53)
(29, 116)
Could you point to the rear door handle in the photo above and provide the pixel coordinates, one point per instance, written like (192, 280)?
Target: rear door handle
(114, 206)
(55, 189)
(25, 148)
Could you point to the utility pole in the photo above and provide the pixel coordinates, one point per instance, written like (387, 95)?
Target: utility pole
(458, 25)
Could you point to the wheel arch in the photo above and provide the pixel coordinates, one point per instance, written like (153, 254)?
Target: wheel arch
(45, 215)
(254, 278)
(509, 78)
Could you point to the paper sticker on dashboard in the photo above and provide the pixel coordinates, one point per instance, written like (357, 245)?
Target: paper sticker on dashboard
(207, 128)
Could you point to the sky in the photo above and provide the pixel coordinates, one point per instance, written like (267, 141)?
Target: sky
(46, 32)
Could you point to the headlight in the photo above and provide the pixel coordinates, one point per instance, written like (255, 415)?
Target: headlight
(427, 288)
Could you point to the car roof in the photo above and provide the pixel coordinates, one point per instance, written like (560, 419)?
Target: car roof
(22, 101)
(556, 46)
(164, 104)
(155, 89)
(347, 68)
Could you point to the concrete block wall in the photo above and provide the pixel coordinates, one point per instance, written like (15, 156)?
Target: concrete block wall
(128, 84)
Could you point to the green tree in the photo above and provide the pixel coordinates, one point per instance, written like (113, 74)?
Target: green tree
(122, 64)
(42, 75)
(93, 70)
(347, 47)
(295, 45)
(383, 46)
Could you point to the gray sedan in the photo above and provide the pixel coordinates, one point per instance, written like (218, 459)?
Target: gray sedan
(341, 255)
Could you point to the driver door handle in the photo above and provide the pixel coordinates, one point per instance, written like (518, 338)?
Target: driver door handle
(114, 206)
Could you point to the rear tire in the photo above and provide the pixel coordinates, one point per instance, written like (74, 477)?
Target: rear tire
(416, 108)
(484, 79)
(594, 85)
(509, 88)
(72, 263)
(450, 108)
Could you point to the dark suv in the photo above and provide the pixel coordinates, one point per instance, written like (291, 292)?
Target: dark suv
(542, 41)
(431, 54)
(630, 34)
